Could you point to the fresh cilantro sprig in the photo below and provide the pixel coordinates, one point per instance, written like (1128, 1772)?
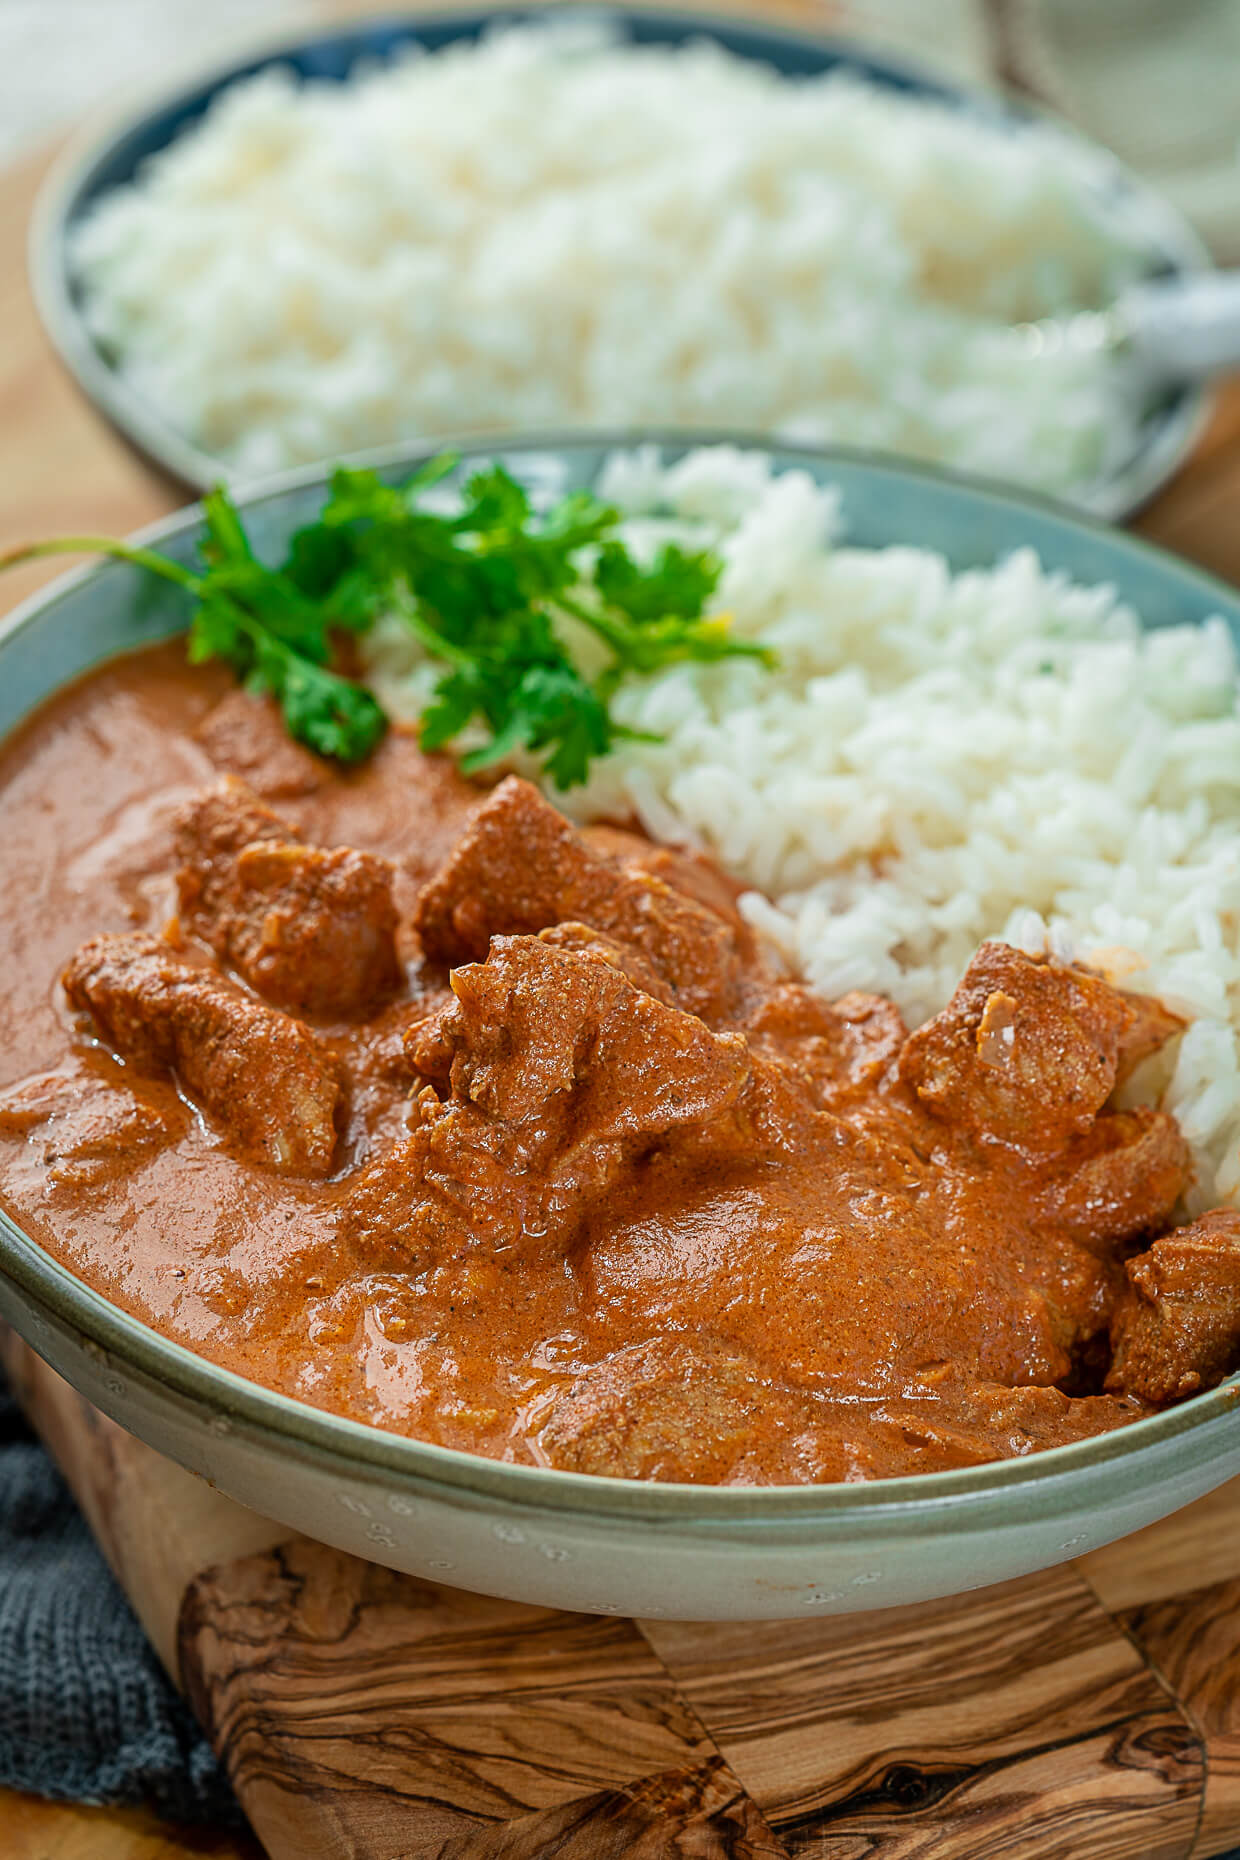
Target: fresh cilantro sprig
(259, 623)
(491, 590)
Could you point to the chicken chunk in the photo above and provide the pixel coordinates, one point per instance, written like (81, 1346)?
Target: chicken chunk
(1148, 1027)
(669, 1409)
(450, 1184)
(620, 956)
(704, 1411)
(954, 1420)
(520, 868)
(311, 929)
(261, 1076)
(1122, 1180)
(246, 736)
(1027, 1052)
(557, 1074)
(840, 1049)
(680, 867)
(564, 1039)
(1178, 1329)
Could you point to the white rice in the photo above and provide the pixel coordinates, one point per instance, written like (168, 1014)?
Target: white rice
(939, 758)
(553, 227)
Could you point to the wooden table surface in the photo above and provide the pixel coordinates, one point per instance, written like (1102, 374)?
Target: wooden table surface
(62, 469)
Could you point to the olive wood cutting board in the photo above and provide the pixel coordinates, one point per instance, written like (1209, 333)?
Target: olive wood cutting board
(1090, 1711)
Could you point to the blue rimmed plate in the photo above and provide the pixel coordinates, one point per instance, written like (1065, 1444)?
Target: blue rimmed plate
(1165, 432)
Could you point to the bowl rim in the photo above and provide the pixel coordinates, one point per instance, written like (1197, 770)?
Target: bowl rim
(322, 1434)
(1117, 496)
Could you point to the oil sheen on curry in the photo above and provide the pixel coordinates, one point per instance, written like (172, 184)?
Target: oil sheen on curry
(406, 1098)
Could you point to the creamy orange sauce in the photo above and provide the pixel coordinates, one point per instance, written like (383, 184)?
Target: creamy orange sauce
(868, 1292)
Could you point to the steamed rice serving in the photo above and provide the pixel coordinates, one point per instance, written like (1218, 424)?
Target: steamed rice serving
(940, 758)
(553, 227)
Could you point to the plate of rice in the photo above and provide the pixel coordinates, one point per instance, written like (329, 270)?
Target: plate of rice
(487, 223)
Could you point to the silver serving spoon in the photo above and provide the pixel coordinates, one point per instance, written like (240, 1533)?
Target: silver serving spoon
(1185, 328)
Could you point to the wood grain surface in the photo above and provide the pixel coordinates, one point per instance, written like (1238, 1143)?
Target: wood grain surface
(1192, 1642)
(947, 1720)
(1092, 1712)
(409, 1718)
(35, 1830)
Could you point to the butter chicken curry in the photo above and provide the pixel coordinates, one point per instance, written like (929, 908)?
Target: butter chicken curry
(407, 1098)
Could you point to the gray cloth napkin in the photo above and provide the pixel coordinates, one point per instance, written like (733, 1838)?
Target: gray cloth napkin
(87, 1713)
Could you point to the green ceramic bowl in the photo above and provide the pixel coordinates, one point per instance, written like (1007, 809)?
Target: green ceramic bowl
(565, 1539)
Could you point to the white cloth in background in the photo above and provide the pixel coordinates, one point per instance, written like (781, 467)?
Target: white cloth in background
(61, 60)
(1158, 81)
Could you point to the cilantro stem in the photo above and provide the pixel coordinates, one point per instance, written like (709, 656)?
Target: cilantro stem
(225, 528)
(615, 633)
(105, 545)
(406, 604)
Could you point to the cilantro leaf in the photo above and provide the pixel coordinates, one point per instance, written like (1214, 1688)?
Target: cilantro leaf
(318, 559)
(492, 590)
(494, 504)
(676, 582)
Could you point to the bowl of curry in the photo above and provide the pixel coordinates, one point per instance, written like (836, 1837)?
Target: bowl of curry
(473, 1190)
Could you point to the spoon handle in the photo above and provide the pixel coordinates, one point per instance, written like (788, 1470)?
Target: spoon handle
(1186, 329)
